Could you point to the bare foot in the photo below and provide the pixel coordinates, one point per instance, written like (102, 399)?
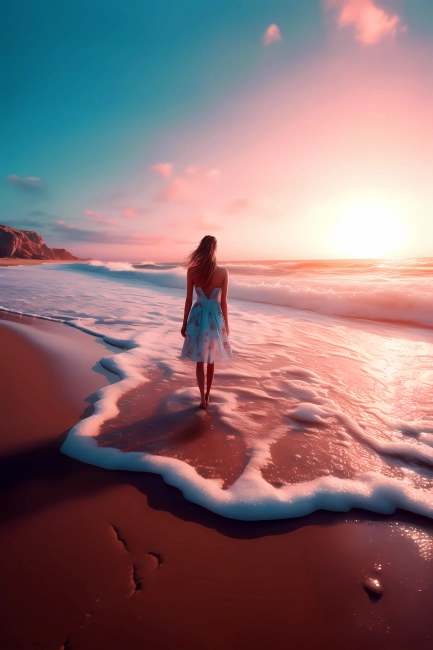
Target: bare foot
(203, 405)
(206, 398)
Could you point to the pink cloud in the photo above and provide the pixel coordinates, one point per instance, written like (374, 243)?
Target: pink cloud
(370, 22)
(191, 170)
(213, 173)
(129, 213)
(189, 187)
(97, 216)
(179, 190)
(132, 213)
(165, 169)
(237, 205)
(94, 215)
(272, 35)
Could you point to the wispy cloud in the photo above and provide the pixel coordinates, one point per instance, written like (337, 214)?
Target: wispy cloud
(190, 186)
(132, 213)
(164, 169)
(371, 23)
(40, 213)
(26, 183)
(237, 205)
(69, 232)
(97, 216)
(272, 35)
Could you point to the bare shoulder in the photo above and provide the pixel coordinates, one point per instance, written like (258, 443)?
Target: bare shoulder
(223, 274)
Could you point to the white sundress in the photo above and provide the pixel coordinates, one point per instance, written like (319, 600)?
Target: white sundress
(206, 337)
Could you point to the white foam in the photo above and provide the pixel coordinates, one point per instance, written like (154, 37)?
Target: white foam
(400, 299)
(309, 413)
(367, 389)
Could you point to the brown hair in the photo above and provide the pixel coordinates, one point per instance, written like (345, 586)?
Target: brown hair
(202, 261)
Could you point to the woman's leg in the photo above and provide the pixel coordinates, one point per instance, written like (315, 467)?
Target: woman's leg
(200, 381)
(209, 377)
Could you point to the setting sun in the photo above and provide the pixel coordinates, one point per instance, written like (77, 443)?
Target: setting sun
(368, 230)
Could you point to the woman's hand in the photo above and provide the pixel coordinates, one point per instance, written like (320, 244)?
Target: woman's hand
(227, 330)
(183, 331)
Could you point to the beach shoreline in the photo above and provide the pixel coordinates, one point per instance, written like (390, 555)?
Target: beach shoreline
(97, 558)
(14, 261)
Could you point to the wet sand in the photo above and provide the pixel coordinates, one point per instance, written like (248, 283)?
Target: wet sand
(97, 559)
(13, 261)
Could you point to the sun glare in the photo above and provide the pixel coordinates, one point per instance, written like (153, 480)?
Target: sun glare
(368, 230)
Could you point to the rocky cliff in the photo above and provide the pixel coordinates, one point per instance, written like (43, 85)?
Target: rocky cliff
(28, 245)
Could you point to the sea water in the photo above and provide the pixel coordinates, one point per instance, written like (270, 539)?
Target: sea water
(325, 404)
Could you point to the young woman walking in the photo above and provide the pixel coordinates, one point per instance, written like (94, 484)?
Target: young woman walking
(206, 326)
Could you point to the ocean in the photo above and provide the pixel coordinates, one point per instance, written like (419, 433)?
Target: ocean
(326, 404)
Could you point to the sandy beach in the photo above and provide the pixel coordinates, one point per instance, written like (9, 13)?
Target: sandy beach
(106, 559)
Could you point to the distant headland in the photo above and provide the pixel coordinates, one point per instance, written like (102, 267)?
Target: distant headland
(29, 245)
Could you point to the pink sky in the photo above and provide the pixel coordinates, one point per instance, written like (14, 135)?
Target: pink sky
(271, 169)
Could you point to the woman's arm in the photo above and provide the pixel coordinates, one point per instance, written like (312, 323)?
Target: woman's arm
(188, 302)
(224, 291)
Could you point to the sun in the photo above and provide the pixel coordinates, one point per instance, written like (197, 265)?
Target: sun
(368, 230)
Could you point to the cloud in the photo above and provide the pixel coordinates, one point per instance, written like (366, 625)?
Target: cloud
(237, 205)
(165, 169)
(131, 213)
(192, 170)
(213, 173)
(40, 213)
(97, 216)
(72, 233)
(185, 188)
(272, 35)
(26, 183)
(179, 190)
(371, 23)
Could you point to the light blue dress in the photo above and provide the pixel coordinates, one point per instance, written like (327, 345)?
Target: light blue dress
(206, 337)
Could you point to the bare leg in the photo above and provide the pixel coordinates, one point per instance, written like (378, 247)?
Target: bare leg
(200, 381)
(209, 377)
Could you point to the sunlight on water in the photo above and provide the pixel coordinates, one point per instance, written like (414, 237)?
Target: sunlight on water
(314, 411)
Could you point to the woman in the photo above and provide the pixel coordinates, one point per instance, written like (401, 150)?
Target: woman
(206, 326)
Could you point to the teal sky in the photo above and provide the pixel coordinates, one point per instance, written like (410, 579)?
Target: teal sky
(94, 94)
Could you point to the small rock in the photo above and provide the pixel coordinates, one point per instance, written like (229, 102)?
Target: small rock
(373, 587)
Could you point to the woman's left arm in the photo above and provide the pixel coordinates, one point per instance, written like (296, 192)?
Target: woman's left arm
(224, 308)
(188, 302)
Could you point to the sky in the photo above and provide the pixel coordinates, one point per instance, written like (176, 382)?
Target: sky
(287, 129)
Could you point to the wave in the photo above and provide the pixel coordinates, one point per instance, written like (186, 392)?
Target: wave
(402, 301)
(251, 496)
(353, 404)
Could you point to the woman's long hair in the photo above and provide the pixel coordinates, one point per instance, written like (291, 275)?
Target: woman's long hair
(202, 261)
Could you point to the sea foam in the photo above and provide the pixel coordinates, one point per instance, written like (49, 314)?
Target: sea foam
(333, 414)
(375, 296)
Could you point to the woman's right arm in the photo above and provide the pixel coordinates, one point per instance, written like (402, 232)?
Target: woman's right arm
(224, 308)
(188, 302)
